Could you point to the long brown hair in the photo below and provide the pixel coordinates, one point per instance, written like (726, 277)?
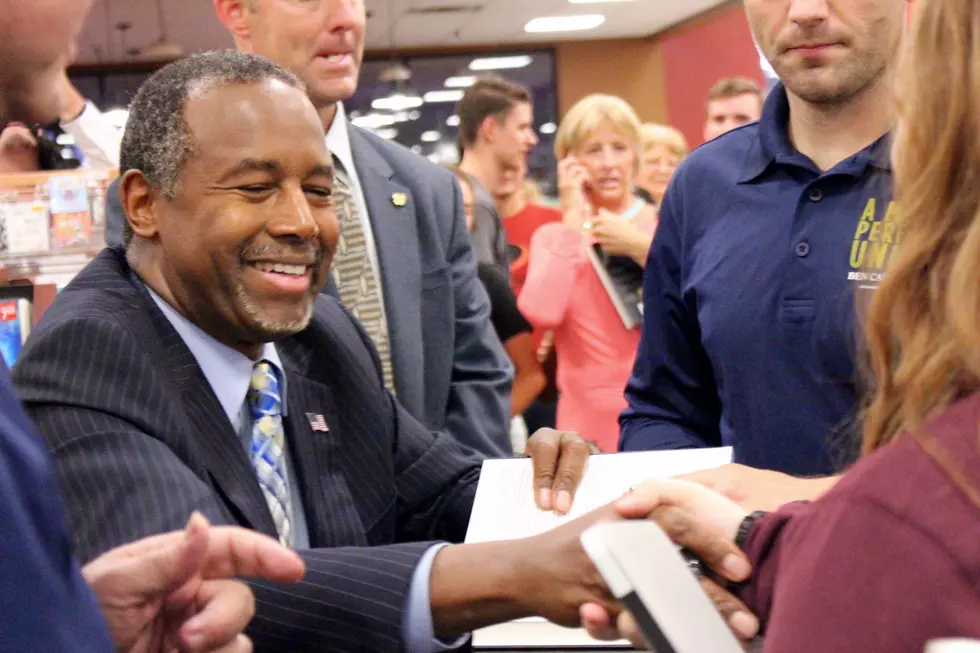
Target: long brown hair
(923, 329)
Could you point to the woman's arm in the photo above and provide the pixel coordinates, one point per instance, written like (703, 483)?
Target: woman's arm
(557, 253)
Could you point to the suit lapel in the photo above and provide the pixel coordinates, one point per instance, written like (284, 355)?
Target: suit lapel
(395, 231)
(222, 452)
(332, 516)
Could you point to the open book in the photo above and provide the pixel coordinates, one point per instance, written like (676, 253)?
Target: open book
(622, 279)
(504, 509)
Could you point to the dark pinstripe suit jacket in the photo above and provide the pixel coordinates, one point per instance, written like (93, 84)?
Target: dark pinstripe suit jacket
(140, 441)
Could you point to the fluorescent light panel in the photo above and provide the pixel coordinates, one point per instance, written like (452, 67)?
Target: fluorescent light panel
(397, 102)
(453, 120)
(460, 81)
(501, 63)
(564, 23)
(430, 136)
(447, 95)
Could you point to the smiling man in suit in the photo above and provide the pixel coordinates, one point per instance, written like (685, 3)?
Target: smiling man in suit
(200, 369)
(404, 266)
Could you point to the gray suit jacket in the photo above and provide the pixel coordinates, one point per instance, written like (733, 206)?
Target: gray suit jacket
(451, 372)
(140, 441)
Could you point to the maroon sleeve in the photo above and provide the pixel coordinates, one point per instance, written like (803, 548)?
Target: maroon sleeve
(852, 576)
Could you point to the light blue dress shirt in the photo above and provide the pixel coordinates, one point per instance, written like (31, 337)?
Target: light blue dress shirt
(229, 373)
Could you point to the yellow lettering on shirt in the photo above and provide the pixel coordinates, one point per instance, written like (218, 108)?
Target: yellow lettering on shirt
(873, 238)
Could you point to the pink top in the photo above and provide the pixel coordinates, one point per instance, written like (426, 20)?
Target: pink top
(595, 351)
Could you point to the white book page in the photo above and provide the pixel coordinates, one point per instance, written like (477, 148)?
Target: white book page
(504, 508)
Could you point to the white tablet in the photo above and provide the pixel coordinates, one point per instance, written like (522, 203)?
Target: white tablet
(647, 574)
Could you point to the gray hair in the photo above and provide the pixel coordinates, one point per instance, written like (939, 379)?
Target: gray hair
(157, 140)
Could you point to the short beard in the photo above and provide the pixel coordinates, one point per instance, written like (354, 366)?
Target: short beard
(272, 329)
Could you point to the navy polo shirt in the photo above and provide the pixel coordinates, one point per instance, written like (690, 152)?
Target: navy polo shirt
(749, 300)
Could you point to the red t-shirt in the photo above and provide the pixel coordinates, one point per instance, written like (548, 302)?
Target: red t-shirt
(519, 229)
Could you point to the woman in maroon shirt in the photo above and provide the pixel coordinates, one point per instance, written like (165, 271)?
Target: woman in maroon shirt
(890, 558)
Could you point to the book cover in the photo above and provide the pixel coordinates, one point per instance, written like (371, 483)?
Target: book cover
(15, 325)
(623, 280)
(27, 227)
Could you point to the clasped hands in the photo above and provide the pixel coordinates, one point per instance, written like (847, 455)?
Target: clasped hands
(559, 582)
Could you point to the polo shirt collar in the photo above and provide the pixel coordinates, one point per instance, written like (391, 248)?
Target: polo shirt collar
(773, 147)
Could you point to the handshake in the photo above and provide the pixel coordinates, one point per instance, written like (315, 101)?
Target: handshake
(551, 576)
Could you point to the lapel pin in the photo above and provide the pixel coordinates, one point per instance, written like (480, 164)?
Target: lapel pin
(317, 422)
(399, 199)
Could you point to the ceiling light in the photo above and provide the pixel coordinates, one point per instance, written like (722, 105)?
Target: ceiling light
(564, 23)
(389, 133)
(448, 95)
(397, 102)
(453, 120)
(460, 81)
(431, 136)
(501, 63)
(416, 149)
(548, 128)
(374, 121)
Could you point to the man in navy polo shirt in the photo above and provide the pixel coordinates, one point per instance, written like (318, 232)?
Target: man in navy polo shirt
(766, 234)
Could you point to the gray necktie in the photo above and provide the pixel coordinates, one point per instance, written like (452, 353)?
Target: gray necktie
(356, 281)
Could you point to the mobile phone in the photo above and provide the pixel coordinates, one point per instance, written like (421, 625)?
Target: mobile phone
(649, 576)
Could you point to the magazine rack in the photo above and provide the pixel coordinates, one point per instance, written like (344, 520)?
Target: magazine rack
(51, 226)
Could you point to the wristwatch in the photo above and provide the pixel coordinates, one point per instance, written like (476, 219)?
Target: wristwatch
(746, 526)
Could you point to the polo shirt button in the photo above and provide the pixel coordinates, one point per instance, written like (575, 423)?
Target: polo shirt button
(802, 248)
(816, 195)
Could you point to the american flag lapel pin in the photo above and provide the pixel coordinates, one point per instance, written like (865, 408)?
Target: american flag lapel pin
(317, 422)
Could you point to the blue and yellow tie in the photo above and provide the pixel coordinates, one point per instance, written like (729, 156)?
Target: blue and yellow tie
(269, 446)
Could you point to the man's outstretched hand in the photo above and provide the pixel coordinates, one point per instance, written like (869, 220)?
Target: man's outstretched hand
(174, 591)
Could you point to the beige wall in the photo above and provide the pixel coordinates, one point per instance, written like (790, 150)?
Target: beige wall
(630, 68)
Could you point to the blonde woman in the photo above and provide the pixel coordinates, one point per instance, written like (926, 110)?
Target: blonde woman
(889, 559)
(598, 146)
(663, 150)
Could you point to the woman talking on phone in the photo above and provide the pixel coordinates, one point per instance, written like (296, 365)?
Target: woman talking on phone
(603, 223)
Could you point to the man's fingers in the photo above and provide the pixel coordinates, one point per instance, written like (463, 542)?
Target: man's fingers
(226, 608)
(713, 548)
(598, 622)
(242, 644)
(574, 457)
(236, 551)
(738, 617)
(543, 448)
(627, 629)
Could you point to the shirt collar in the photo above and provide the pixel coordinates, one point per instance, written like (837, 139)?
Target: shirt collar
(227, 371)
(338, 139)
(773, 146)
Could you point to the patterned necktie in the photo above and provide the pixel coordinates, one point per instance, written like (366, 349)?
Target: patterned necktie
(356, 281)
(269, 446)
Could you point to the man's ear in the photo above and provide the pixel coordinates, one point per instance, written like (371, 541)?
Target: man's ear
(488, 128)
(233, 14)
(137, 200)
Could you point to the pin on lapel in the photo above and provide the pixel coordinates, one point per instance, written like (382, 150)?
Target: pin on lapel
(399, 199)
(317, 422)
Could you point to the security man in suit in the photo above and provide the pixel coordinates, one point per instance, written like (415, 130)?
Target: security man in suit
(200, 369)
(404, 265)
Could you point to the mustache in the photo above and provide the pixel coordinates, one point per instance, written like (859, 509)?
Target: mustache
(311, 251)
